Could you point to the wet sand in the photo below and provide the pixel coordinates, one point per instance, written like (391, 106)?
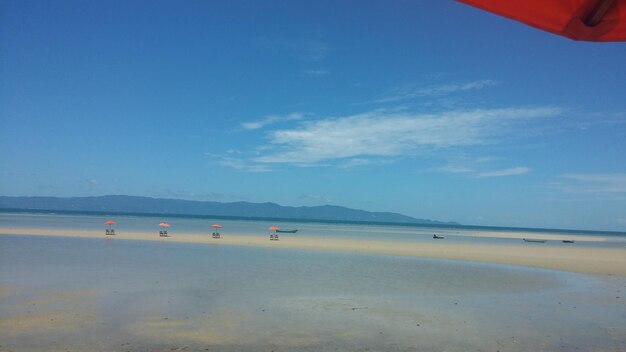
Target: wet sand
(111, 294)
(537, 236)
(601, 261)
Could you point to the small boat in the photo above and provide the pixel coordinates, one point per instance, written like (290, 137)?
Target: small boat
(439, 237)
(568, 241)
(286, 231)
(534, 240)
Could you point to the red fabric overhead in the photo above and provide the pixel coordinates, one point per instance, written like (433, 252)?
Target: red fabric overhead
(563, 17)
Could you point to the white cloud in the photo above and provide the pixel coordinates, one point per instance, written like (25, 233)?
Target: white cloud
(477, 169)
(269, 120)
(354, 162)
(302, 48)
(454, 169)
(239, 164)
(315, 73)
(315, 198)
(514, 171)
(594, 183)
(464, 164)
(182, 194)
(387, 134)
(599, 118)
(410, 91)
(313, 50)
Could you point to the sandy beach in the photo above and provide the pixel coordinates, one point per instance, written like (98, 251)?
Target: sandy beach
(76, 289)
(600, 261)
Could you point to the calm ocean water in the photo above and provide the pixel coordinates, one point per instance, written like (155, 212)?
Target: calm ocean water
(110, 295)
(182, 225)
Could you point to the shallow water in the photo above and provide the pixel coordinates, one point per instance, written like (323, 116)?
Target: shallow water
(181, 226)
(108, 294)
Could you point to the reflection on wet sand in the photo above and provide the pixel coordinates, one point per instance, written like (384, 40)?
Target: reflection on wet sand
(156, 296)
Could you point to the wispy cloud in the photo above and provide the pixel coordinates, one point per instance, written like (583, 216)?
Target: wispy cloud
(599, 118)
(313, 50)
(354, 162)
(384, 134)
(240, 163)
(305, 49)
(514, 171)
(202, 196)
(480, 168)
(412, 91)
(315, 73)
(454, 169)
(272, 119)
(315, 198)
(243, 165)
(612, 183)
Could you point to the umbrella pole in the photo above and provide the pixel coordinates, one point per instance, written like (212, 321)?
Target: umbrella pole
(597, 13)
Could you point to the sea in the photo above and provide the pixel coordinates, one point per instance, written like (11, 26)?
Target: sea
(85, 294)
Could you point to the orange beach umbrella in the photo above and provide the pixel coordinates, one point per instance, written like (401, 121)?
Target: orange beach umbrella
(164, 224)
(273, 228)
(110, 222)
(588, 20)
(216, 226)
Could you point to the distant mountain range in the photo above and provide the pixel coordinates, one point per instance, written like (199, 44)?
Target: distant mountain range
(146, 205)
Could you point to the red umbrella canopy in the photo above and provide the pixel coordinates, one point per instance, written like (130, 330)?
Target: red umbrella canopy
(588, 20)
(273, 228)
(110, 222)
(217, 226)
(164, 224)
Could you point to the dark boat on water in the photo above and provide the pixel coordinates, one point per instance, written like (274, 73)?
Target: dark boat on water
(534, 240)
(568, 241)
(439, 237)
(286, 231)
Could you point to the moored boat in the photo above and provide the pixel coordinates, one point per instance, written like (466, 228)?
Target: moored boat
(286, 231)
(439, 237)
(534, 240)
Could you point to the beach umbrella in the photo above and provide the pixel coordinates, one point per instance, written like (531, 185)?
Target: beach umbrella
(587, 20)
(216, 226)
(110, 222)
(164, 224)
(273, 228)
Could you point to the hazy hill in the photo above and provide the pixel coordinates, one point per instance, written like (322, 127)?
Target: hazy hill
(132, 204)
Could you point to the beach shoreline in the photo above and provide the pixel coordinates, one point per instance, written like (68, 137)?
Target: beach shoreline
(597, 261)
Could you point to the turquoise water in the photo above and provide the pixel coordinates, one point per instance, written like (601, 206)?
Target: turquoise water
(441, 227)
(61, 293)
(437, 227)
(259, 228)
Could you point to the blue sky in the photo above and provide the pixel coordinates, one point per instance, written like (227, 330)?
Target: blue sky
(432, 109)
